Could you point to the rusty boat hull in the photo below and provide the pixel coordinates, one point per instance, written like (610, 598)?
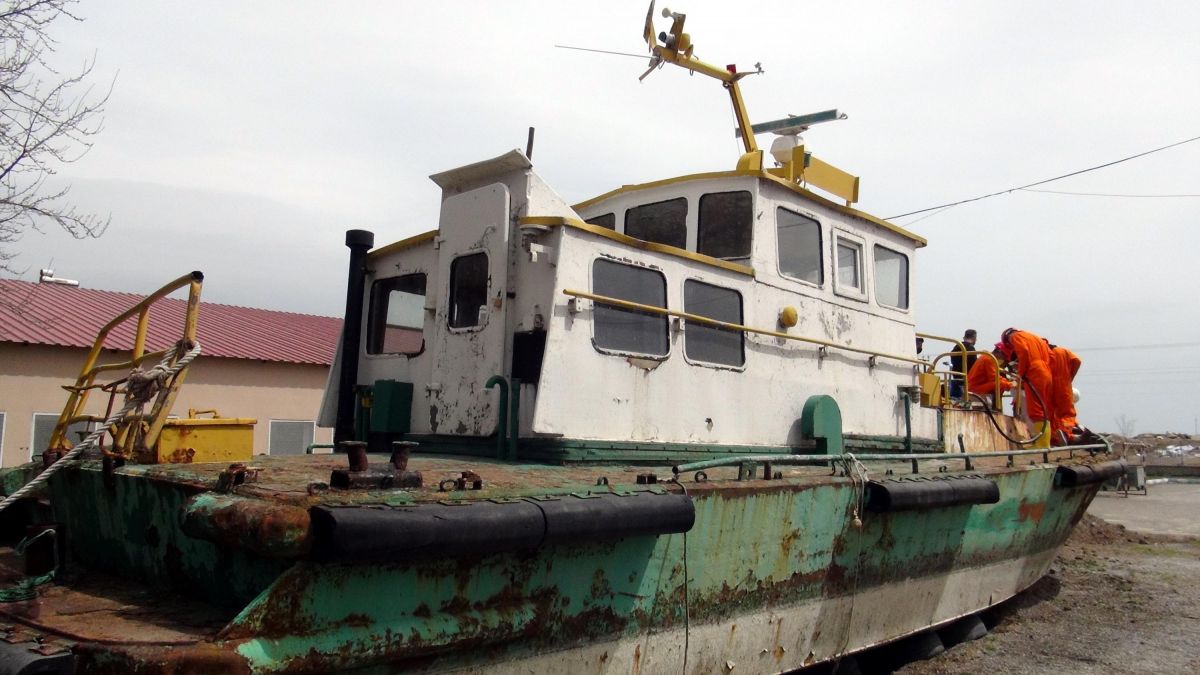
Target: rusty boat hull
(769, 574)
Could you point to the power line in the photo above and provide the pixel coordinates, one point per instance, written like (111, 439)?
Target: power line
(1047, 180)
(1106, 194)
(1113, 348)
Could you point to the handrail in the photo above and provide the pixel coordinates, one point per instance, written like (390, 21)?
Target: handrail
(626, 304)
(959, 347)
(85, 382)
(997, 393)
(785, 460)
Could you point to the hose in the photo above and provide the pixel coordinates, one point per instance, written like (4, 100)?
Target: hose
(988, 409)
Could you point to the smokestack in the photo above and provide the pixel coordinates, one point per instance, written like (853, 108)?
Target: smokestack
(359, 242)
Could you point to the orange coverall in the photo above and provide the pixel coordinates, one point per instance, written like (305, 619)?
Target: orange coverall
(1063, 366)
(1033, 365)
(981, 379)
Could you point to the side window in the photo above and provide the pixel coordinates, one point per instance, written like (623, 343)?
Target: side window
(726, 221)
(891, 278)
(607, 220)
(627, 330)
(289, 437)
(397, 319)
(848, 257)
(799, 247)
(661, 222)
(468, 290)
(711, 344)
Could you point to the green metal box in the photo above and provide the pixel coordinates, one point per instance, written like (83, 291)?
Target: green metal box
(391, 407)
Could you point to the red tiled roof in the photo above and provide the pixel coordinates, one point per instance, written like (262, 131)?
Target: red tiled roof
(66, 316)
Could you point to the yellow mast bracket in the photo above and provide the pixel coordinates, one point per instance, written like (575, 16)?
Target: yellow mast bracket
(678, 50)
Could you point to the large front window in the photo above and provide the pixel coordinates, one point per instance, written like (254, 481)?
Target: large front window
(661, 222)
(725, 222)
(629, 330)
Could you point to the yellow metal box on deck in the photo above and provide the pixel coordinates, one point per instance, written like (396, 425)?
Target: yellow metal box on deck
(219, 439)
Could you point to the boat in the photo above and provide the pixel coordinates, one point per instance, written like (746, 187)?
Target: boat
(679, 427)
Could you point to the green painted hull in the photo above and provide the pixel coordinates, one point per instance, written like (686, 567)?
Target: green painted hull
(784, 561)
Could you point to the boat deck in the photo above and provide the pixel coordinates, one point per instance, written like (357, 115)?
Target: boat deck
(304, 480)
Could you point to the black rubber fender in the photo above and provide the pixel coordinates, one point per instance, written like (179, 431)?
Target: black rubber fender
(929, 492)
(1076, 475)
(377, 534)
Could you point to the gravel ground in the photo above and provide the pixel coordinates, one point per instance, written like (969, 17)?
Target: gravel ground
(1116, 601)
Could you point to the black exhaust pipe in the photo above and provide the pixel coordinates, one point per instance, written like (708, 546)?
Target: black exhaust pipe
(359, 242)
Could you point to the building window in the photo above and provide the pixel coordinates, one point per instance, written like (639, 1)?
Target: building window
(725, 224)
(661, 222)
(43, 429)
(849, 266)
(468, 290)
(626, 330)
(799, 247)
(712, 344)
(288, 437)
(397, 318)
(891, 278)
(608, 221)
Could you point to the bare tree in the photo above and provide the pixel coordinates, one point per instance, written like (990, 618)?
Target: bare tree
(1125, 425)
(47, 119)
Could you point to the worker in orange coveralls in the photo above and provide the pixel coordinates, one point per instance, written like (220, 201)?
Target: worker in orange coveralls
(1063, 366)
(1033, 365)
(981, 379)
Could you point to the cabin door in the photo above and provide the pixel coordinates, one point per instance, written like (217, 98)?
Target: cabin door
(469, 344)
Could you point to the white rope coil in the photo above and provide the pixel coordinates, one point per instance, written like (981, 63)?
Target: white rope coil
(142, 386)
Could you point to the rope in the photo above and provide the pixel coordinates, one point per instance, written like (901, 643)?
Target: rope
(149, 383)
(856, 471)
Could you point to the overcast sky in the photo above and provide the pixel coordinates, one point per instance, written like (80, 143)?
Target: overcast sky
(243, 139)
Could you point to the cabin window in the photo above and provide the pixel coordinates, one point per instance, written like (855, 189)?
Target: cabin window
(626, 330)
(725, 222)
(711, 344)
(849, 266)
(607, 220)
(891, 278)
(468, 290)
(661, 222)
(289, 437)
(799, 247)
(397, 316)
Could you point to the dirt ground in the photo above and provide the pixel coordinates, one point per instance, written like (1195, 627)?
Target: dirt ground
(1115, 601)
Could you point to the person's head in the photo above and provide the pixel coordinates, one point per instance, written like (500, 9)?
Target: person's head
(920, 344)
(1002, 352)
(969, 338)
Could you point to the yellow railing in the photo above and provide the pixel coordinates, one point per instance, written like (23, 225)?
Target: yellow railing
(86, 382)
(663, 311)
(961, 350)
